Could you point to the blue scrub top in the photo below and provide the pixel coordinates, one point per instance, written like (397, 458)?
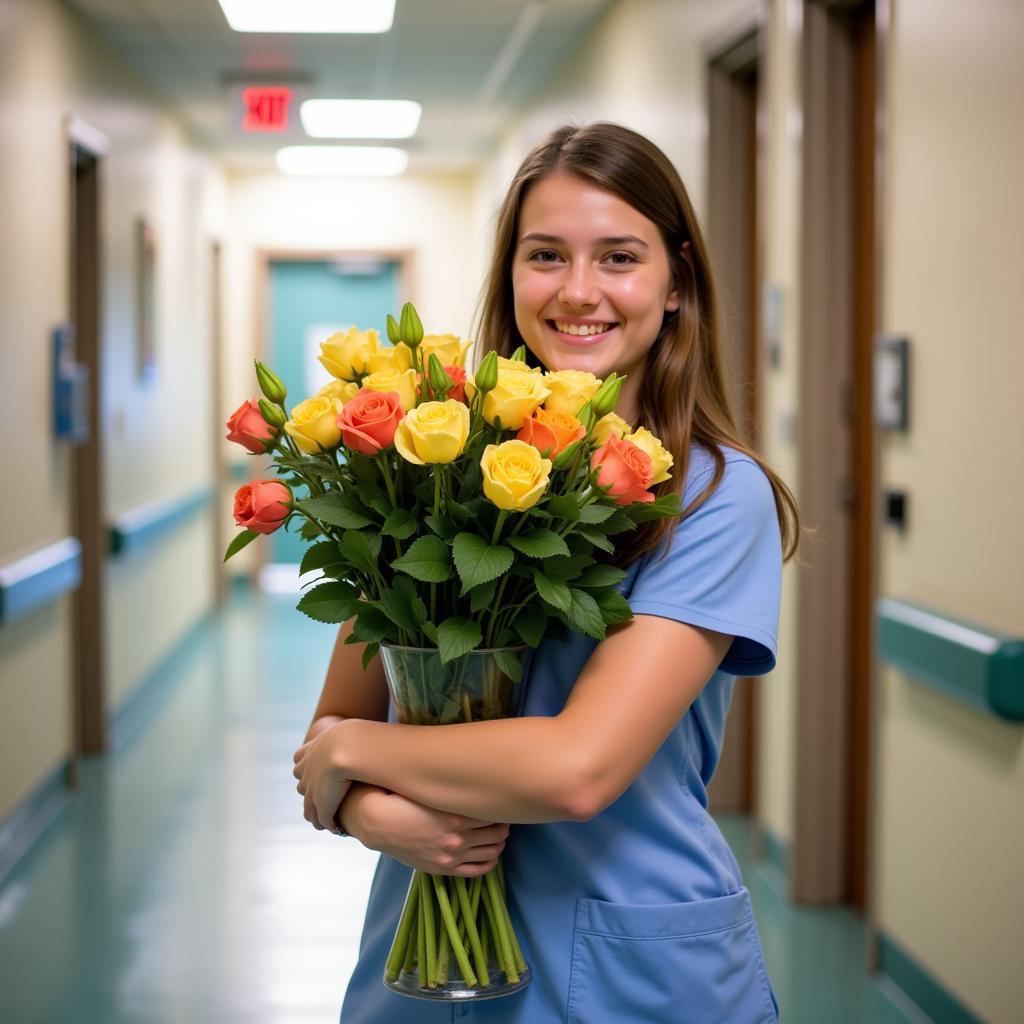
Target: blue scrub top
(639, 914)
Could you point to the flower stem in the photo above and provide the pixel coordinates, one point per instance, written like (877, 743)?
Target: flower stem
(452, 930)
(504, 947)
(469, 919)
(398, 948)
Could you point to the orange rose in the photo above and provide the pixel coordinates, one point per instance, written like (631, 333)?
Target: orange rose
(248, 428)
(368, 422)
(260, 505)
(551, 431)
(625, 468)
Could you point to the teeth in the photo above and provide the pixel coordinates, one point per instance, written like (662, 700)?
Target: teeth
(582, 329)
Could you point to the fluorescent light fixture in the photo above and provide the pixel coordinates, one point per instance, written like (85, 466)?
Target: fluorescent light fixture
(309, 15)
(347, 160)
(360, 119)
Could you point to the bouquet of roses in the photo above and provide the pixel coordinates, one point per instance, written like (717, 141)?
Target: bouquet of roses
(458, 520)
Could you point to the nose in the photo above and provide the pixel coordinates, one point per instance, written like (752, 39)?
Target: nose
(579, 286)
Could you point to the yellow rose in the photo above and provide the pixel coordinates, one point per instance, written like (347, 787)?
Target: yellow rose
(515, 475)
(401, 381)
(433, 432)
(449, 348)
(314, 424)
(570, 390)
(611, 425)
(393, 357)
(513, 398)
(342, 390)
(347, 354)
(661, 458)
(516, 366)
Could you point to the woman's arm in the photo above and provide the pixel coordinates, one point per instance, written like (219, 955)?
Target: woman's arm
(634, 688)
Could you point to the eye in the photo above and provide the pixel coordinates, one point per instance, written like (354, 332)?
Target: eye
(544, 256)
(621, 258)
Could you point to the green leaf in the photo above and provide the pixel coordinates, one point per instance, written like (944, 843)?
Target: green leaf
(458, 512)
(358, 549)
(596, 513)
(379, 504)
(239, 542)
(481, 597)
(665, 505)
(330, 602)
(564, 506)
(309, 531)
(529, 623)
(585, 615)
(319, 556)
(539, 543)
(400, 524)
(427, 559)
(601, 576)
(368, 654)
(397, 609)
(407, 589)
(565, 569)
(371, 625)
(430, 632)
(477, 561)
(444, 527)
(510, 665)
(619, 523)
(457, 636)
(337, 509)
(554, 592)
(614, 607)
(599, 540)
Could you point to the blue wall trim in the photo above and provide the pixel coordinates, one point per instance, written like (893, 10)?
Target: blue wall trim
(971, 663)
(919, 986)
(139, 527)
(39, 578)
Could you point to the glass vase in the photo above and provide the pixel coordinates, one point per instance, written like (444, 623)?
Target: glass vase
(455, 939)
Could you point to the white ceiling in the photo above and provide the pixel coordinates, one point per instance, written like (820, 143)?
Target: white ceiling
(470, 63)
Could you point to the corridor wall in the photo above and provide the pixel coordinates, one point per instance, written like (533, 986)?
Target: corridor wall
(155, 433)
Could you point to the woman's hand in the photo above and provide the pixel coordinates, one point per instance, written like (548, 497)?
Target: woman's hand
(320, 782)
(433, 841)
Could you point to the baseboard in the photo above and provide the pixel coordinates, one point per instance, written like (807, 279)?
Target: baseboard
(934, 1001)
(30, 819)
(776, 850)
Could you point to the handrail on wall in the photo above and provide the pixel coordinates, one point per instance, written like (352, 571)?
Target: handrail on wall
(139, 526)
(974, 664)
(38, 578)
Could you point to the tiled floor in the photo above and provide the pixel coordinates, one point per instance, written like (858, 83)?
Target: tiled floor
(182, 886)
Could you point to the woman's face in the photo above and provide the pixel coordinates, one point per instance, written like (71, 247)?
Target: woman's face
(586, 261)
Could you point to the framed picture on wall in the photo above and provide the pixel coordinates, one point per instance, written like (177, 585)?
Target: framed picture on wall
(145, 298)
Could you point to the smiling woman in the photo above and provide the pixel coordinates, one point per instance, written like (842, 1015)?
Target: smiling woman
(627, 898)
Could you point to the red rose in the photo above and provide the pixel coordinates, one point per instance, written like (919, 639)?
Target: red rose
(626, 468)
(260, 505)
(368, 422)
(248, 428)
(458, 390)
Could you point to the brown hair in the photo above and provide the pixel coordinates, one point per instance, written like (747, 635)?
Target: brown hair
(682, 399)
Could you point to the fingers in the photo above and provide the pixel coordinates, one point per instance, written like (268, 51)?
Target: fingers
(473, 869)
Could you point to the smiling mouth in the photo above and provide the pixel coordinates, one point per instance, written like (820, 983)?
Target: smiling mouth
(578, 333)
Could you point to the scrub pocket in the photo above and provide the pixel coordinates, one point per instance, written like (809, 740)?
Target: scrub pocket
(674, 963)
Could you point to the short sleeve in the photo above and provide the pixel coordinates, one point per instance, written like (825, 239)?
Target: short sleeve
(724, 568)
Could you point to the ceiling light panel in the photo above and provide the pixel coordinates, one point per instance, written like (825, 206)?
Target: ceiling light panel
(360, 119)
(309, 15)
(354, 161)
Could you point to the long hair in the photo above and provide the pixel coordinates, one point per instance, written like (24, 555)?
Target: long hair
(682, 395)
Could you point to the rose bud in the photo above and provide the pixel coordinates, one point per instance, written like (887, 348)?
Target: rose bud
(487, 376)
(623, 467)
(409, 326)
(273, 414)
(607, 396)
(248, 428)
(270, 384)
(368, 422)
(261, 505)
(394, 335)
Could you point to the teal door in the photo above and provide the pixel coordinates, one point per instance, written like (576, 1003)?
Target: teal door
(310, 300)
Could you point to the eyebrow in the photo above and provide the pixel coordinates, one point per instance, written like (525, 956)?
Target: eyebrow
(609, 240)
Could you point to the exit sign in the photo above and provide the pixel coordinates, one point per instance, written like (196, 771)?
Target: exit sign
(266, 108)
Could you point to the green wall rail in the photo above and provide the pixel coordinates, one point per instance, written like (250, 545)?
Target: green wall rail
(39, 578)
(139, 527)
(971, 663)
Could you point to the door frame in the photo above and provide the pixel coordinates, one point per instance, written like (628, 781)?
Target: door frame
(87, 144)
(728, 56)
(406, 260)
